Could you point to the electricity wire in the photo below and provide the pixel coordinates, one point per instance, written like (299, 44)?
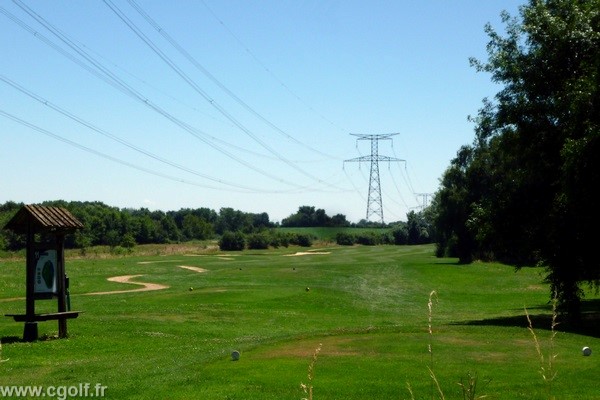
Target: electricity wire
(202, 93)
(268, 70)
(109, 77)
(116, 138)
(104, 155)
(213, 79)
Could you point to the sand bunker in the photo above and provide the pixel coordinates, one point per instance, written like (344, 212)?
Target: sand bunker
(146, 287)
(195, 269)
(306, 253)
(156, 262)
(127, 279)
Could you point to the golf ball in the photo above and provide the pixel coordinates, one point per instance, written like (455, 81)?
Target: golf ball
(586, 351)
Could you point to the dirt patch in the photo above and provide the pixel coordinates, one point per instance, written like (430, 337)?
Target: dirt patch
(156, 262)
(195, 269)
(128, 279)
(12, 299)
(306, 253)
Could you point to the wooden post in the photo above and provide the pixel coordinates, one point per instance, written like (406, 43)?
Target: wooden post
(61, 284)
(30, 332)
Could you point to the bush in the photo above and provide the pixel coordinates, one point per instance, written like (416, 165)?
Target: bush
(258, 241)
(400, 235)
(232, 241)
(302, 239)
(280, 239)
(345, 239)
(128, 241)
(367, 238)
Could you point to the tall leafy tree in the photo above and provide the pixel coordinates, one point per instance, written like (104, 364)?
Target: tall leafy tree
(524, 193)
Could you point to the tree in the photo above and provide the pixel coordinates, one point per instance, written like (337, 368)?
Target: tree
(194, 227)
(522, 193)
(232, 220)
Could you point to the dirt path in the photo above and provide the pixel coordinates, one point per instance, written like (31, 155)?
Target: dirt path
(195, 269)
(306, 253)
(128, 279)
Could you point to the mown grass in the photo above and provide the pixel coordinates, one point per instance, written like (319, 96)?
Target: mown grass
(328, 234)
(366, 307)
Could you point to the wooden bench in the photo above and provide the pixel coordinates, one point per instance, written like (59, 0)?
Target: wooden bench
(45, 317)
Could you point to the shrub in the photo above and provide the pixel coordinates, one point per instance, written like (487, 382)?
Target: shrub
(345, 239)
(280, 239)
(302, 239)
(232, 241)
(367, 238)
(258, 241)
(400, 235)
(128, 241)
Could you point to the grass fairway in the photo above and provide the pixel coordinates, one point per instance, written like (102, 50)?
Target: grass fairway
(366, 307)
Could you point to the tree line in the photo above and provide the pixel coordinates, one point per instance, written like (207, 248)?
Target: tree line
(523, 191)
(115, 227)
(111, 226)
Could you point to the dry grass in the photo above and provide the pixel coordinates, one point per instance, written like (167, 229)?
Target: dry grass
(469, 387)
(1, 359)
(547, 367)
(308, 388)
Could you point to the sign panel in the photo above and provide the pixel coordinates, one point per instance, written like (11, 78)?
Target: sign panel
(45, 271)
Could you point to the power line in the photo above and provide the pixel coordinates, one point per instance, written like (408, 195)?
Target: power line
(213, 79)
(106, 75)
(100, 154)
(116, 138)
(268, 70)
(374, 200)
(200, 91)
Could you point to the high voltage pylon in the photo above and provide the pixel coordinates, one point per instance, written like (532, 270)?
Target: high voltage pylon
(374, 202)
(425, 197)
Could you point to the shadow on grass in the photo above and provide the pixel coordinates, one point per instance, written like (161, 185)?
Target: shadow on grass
(10, 339)
(589, 325)
(17, 339)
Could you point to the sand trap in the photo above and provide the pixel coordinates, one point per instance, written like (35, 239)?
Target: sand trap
(306, 253)
(127, 279)
(156, 262)
(195, 269)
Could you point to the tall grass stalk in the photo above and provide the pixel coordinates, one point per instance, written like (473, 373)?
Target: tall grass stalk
(308, 388)
(1, 359)
(432, 297)
(468, 389)
(547, 368)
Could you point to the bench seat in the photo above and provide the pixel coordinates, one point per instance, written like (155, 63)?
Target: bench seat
(45, 317)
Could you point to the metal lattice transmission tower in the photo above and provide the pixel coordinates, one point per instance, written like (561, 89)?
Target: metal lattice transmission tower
(374, 202)
(425, 197)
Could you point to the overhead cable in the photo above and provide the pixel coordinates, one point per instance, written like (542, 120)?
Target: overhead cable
(213, 79)
(116, 82)
(202, 93)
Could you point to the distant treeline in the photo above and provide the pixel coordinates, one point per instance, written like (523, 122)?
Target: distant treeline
(126, 227)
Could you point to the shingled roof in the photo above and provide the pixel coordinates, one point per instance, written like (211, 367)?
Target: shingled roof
(43, 219)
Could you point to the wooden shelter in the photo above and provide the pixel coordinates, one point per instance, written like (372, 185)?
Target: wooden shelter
(45, 264)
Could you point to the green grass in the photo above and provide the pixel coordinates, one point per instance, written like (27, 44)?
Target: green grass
(367, 307)
(328, 234)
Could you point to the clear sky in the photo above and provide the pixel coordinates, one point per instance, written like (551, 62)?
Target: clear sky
(242, 104)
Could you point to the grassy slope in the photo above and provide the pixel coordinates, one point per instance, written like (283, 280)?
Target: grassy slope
(367, 306)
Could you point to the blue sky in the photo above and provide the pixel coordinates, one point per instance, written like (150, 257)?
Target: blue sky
(239, 104)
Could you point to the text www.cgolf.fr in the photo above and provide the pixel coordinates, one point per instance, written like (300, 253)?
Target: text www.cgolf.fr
(55, 392)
